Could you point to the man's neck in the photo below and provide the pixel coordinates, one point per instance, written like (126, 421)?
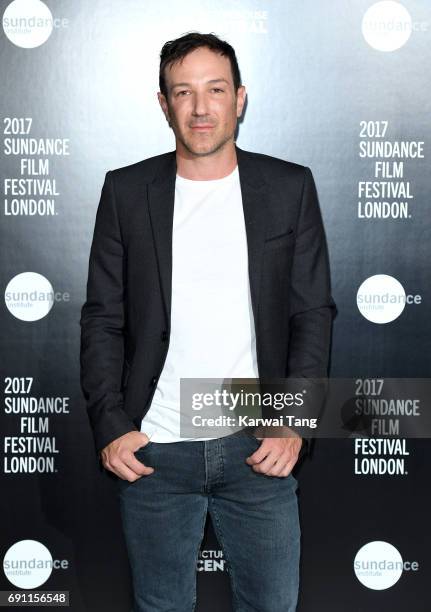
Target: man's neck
(207, 167)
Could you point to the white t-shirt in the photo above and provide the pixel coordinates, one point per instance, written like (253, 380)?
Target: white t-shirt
(212, 326)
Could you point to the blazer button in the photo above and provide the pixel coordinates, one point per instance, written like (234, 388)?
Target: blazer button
(164, 335)
(153, 380)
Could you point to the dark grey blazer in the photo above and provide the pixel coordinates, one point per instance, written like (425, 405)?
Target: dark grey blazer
(125, 320)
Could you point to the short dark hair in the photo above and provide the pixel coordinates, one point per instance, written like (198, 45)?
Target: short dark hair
(175, 50)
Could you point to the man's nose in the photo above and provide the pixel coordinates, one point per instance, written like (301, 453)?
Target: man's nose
(199, 104)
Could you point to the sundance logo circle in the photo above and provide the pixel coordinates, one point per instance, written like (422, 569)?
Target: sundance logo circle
(378, 565)
(29, 296)
(387, 26)
(27, 564)
(381, 298)
(27, 23)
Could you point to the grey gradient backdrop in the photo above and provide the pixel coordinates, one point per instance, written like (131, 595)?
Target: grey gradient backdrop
(310, 78)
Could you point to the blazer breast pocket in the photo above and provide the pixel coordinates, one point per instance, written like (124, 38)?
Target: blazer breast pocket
(280, 240)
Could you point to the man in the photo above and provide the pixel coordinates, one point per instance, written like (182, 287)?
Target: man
(208, 261)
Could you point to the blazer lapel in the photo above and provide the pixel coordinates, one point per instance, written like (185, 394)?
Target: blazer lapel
(254, 205)
(161, 198)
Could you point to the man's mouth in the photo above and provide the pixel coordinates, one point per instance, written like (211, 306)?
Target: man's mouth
(202, 127)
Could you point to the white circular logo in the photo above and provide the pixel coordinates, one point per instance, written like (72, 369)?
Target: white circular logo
(27, 23)
(29, 296)
(27, 564)
(378, 565)
(381, 298)
(387, 25)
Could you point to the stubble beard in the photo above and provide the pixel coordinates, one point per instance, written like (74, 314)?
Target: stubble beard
(196, 152)
(209, 149)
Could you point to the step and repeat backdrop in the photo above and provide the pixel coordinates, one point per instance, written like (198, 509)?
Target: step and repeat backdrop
(342, 87)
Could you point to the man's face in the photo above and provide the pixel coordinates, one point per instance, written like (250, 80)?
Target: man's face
(201, 105)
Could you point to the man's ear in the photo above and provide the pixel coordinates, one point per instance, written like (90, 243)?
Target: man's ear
(240, 100)
(164, 105)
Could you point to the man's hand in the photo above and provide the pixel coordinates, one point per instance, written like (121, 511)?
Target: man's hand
(276, 456)
(118, 456)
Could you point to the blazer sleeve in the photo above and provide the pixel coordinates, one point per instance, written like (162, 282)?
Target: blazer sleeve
(311, 308)
(102, 325)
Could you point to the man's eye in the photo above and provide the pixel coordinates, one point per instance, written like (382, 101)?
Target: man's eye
(217, 89)
(180, 93)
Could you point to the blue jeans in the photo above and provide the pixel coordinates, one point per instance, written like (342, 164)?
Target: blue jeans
(255, 518)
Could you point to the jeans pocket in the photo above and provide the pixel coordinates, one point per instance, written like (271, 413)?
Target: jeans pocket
(143, 448)
(253, 438)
